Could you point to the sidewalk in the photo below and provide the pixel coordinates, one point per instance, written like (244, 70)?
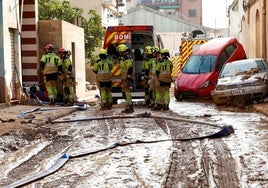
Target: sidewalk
(9, 120)
(261, 108)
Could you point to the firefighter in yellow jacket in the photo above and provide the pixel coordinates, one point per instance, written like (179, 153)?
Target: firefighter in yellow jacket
(67, 77)
(164, 79)
(103, 68)
(126, 64)
(147, 67)
(51, 66)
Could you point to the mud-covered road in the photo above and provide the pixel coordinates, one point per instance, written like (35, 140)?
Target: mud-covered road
(138, 151)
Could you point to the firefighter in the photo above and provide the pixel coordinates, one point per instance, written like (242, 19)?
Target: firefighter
(103, 68)
(163, 73)
(51, 67)
(126, 64)
(67, 77)
(153, 87)
(146, 72)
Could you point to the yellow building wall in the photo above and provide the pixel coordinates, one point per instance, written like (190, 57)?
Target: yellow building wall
(71, 37)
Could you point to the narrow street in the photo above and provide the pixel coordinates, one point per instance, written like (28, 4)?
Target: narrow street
(138, 151)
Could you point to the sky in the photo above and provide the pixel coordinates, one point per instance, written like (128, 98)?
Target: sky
(215, 13)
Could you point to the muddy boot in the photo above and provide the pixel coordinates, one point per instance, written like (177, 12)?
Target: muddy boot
(65, 102)
(51, 102)
(151, 105)
(147, 103)
(109, 105)
(165, 107)
(128, 109)
(103, 106)
(157, 107)
(70, 102)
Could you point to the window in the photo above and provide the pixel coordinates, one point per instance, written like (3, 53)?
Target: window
(192, 12)
(224, 56)
(231, 48)
(222, 60)
(200, 64)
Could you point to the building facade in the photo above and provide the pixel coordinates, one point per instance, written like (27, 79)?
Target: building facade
(21, 49)
(249, 23)
(187, 10)
(10, 51)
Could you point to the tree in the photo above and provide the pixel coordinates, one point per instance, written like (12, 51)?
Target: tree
(93, 33)
(62, 10)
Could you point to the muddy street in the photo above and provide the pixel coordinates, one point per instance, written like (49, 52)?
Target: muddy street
(164, 150)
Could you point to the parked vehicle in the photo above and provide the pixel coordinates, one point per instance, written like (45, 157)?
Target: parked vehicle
(244, 78)
(136, 37)
(199, 75)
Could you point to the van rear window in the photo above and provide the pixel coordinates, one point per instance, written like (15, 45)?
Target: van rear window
(200, 64)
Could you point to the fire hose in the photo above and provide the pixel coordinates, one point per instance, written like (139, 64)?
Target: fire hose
(225, 131)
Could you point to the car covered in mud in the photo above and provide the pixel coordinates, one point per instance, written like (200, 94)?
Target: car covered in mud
(200, 73)
(242, 81)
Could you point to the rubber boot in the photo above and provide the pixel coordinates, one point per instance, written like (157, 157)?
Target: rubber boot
(103, 106)
(165, 107)
(129, 109)
(157, 107)
(70, 102)
(151, 105)
(65, 102)
(109, 105)
(52, 102)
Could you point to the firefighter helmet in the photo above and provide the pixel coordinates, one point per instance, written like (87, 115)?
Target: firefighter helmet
(148, 50)
(61, 50)
(49, 48)
(102, 52)
(165, 52)
(67, 52)
(156, 49)
(121, 48)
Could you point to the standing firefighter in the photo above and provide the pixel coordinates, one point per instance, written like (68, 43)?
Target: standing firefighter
(51, 66)
(67, 78)
(146, 71)
(126, 64)
(153, 87)
(163, 72)
(103, 68)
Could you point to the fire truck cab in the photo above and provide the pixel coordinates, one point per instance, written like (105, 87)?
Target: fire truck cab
(189, 43)
(136, 37)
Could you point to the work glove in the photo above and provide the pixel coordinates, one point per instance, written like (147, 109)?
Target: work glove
(129, 78)
(68, 75)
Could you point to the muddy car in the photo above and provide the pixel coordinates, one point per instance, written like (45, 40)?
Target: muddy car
(242, 80)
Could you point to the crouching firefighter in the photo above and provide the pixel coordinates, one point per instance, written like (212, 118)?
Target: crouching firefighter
(103, 68)
(126, 65)
(164, 79)
(67, 78)
(51, 66)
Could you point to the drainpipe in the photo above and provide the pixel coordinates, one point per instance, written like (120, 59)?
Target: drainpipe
(19, 25)
(264, 45)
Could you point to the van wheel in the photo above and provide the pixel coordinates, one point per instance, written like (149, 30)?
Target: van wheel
(115, 100)
(178, 97)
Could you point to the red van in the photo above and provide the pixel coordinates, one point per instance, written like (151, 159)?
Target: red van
(200, 73)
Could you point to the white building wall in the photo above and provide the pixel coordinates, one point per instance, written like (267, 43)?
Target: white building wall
(162, 22)
(9, 49)
(236, 21)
